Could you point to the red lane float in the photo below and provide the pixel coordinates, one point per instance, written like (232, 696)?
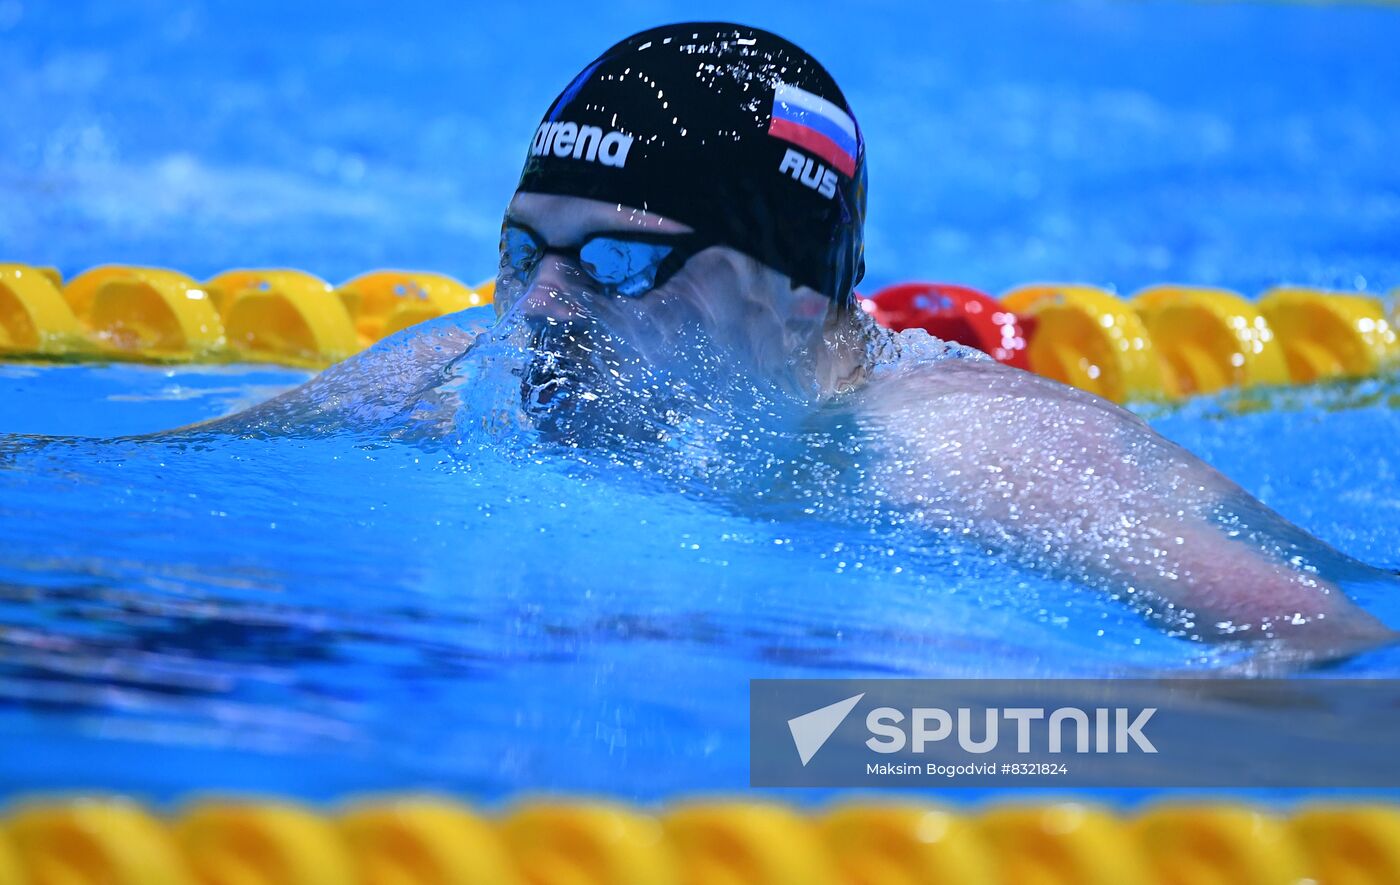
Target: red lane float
(954, 313)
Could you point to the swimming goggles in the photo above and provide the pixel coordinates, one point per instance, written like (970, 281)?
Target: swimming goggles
(624, 264)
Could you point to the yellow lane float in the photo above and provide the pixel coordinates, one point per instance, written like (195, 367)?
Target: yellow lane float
(94, 842)
(283, 316)
(718, 843)
(903, 844)
(145, 312)
(1062, 844)
(34, 317)
(1330, 334)
(1225, 844)
(1167, 342)
(80, 291)
(53, 275)
(262, 843)
(384, 301)
(1351, 844)
(425, 841)
(10, 868)
(1088, 338)
(1209, 339)
(599, 843)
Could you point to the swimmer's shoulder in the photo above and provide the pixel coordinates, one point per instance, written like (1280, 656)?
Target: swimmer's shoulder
(931, 389)
(443, 339)
(369, 387)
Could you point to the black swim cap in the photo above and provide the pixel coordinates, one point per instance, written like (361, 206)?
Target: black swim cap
(729, 129)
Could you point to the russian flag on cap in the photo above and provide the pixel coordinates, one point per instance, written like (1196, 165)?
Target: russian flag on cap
(815, 125)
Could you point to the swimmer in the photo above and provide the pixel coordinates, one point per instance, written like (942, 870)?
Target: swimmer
(690, 220)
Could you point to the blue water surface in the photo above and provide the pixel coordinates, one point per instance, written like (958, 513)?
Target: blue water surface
(320, 615)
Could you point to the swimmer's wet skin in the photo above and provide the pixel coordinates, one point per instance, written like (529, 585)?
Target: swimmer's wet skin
(689, 224)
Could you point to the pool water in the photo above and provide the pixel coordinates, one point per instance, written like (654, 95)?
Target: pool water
(322, 612)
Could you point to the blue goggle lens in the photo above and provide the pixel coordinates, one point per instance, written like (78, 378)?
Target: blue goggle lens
(520, 250)
(626, 266)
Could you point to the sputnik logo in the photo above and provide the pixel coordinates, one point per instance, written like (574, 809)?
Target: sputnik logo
(811, 730)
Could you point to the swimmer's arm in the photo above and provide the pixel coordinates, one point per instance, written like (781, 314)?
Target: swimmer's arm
(366, 389)
(1077, 481)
